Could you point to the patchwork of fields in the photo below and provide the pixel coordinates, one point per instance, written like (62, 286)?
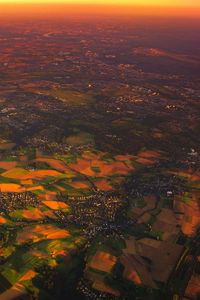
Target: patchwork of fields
(35, 230)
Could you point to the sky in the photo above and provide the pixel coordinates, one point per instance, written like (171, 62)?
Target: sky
(180, 3)
(188, 8)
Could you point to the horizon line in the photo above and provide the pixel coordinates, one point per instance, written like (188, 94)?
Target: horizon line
(105, 9)
(98, 4)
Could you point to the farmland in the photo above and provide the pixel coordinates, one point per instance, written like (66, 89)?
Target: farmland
(99, 159)
(55, 193)
(40, 237)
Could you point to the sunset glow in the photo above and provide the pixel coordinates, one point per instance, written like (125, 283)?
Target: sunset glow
(181, 3)
(99, 149)
(115, 7)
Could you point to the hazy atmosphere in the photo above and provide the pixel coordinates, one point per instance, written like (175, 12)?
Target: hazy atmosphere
(99, 150)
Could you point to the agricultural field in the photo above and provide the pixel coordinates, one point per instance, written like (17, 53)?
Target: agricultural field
(70, 97)
(99, 159)
(40, 238)
(39, 229)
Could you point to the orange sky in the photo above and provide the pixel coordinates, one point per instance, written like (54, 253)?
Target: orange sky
(180, 3)
(141, 7)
